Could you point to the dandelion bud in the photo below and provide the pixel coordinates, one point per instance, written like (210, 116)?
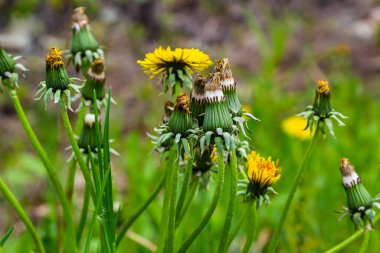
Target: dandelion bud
(216, 109)
(95, 81)
(181, 120)
(8, 67)
(359, 201)
(56, 76)
(84, 47)
(228, 86)
(88, 135)
(321, 105)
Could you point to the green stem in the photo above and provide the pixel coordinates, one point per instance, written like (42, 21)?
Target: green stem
(183, 193)
(169, 247)
(74, 145)
(124, 228)
(22, 214)
(252, 230)
(71, 170)
(57, 186)
(364, 247)
(350, 239)
(164, 215)
(232, 204)
(83, 215)
(274, 241)
(240, 222)
(189, 199)
(219, 186)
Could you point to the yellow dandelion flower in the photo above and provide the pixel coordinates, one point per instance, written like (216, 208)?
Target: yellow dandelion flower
(262, 172)
(295, 126)
(162, 59)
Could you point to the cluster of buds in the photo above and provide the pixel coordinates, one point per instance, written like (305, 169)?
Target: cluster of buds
(8, 68)
(84, 47)
(321, 111)
(360, 204)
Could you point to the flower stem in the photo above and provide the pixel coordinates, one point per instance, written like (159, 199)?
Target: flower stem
(124, 228)
(350, 239)
(164, 216)
(206, 218)
(302, 167)
(184, 189)
(169, 248)
(22, 215)
(189, 198)
(252, 231)
(57, 186)
(231, 206)
(364, 247)
(78, 155)
(242, 218)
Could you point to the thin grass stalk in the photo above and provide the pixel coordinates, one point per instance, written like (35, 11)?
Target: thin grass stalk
(83, 215)
(74, 145)
(301, 169)
(231, 205)
(215, 200)
(164, 216)
(252, 229)
(8, 195)
(239, 223)
(340, 246)
(124, 228)
(184, 189)
(189, 199)
(98, 204)
(57, 186)
(169, 247)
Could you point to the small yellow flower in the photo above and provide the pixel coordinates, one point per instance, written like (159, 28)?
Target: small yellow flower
(162, 59)
(323, 87)
(295, 126)
(262, 172)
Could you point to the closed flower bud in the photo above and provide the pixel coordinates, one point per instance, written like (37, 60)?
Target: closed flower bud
(84, 47)
(359, 201)
(197, 105)
(88, 136)
(168, 110)
(181, 120)
(8, 67)
(95, 81)
(217, 115)
(321, 106)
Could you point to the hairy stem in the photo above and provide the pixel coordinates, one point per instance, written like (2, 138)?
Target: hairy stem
(252, 230)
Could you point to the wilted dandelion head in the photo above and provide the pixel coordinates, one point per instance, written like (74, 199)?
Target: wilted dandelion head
(79, 18)
(323, 87)
(54, 58)
(226, 79)
(262, 172)
(183, 102)
(161, 60)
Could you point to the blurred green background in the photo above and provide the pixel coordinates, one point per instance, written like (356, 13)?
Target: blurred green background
(277, 50)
